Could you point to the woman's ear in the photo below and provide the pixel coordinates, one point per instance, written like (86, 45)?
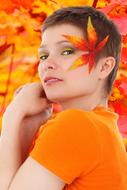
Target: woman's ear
(106, 66)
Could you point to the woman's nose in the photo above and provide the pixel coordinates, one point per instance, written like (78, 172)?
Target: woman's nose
(49, 64)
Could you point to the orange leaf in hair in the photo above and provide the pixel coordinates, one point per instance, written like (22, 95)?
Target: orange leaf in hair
(78, 42)
(91, 34)
(87, 46)
(101, 44)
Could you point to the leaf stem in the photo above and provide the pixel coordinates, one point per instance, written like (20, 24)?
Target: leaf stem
(95, 3)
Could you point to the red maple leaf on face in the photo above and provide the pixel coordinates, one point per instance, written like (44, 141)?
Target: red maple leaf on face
(89, 46)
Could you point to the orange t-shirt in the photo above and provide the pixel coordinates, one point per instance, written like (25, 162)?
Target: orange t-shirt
(83, 148)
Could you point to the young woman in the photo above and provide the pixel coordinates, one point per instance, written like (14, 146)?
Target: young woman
(79, 148)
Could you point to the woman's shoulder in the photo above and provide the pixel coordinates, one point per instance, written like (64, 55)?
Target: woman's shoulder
(71, 113)
(71, 117)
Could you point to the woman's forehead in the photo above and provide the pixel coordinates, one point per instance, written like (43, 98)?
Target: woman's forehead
(56, 33)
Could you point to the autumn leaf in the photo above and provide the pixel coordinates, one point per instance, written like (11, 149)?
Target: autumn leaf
(82, 60)
(78, 42)
(117, 12)
(87, 46)
(11, 5)
(27, 4)
(122, 123)
(123, 86)
(124, 49)
(7, 7)
(91, 34)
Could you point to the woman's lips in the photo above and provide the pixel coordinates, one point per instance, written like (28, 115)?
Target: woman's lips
(51, 80)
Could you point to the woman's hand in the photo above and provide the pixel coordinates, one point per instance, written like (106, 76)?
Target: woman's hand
(34, 110)
(30, 99)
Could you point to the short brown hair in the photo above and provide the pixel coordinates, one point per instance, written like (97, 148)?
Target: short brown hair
(78, 16)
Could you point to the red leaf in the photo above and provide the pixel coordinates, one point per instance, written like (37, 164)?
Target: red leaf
(121, 22)
(79, 43)
(124, 39)
(7, 7)
(117, 13)
(91, 61)
(4, 47)
(120, 108)
(102, 44)
(10, 5)
(27, 4)
(124, 54)
(122, 124)
(109, 7)
(123, 86)
(91, 34)
(82, 60)
(88, 46)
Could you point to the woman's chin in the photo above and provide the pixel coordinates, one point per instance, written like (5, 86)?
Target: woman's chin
(56, 99)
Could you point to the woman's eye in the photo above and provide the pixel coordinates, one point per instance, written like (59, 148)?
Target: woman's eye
(68, 51)
(43, 57)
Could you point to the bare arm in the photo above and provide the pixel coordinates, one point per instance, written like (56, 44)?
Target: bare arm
(32, 175)
(13, 145)
(10, 150)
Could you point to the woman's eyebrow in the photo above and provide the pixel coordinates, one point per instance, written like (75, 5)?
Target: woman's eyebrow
(43, 46)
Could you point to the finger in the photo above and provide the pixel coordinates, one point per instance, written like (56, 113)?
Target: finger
(18, 90)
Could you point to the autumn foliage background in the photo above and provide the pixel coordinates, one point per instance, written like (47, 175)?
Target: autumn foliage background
(20, 37)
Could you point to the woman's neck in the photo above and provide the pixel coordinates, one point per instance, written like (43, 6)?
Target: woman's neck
(86, 103)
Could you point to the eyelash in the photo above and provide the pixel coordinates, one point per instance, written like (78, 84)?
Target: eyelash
(41, 57)
(70, 50)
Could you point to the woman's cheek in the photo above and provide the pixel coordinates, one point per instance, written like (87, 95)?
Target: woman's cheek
(41, 71)
(72, 65)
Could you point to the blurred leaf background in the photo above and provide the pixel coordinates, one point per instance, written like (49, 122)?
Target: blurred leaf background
(20, 37)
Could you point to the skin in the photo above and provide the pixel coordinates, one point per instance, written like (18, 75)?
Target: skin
(88, 90)
(79, 89)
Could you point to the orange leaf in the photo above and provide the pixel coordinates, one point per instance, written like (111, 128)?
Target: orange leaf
(78, 42)
(89, 45)
(91, 61)
(82, 60)
(117, 13)
(101, 44)
(124, 55)
(8, 6)
(91, 34)
(123, 86)
(27, 4)
(122, 123)
(4, 47)
(120, 108)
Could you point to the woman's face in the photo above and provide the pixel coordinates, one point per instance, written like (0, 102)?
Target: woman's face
(57, 55)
